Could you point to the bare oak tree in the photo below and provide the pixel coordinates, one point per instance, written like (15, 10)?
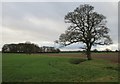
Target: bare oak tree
(86, 26)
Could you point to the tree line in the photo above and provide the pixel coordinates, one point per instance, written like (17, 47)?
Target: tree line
(28, 48)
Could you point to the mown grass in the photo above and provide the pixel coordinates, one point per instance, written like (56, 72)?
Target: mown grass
(44, 68)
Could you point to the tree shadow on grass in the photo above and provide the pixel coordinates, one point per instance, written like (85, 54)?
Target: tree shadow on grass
(112, 68)
(76, 60)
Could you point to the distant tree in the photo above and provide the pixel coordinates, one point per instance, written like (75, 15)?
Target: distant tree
(116, 50)
(21, 48)
(95, 50)
(5, 48)
(108, 50)
(86, 26)
(31, 48)
(57, 50)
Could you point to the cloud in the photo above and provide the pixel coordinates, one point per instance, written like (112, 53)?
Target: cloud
(43, 22)
(48, 24)
(38, 28)
(111, 47)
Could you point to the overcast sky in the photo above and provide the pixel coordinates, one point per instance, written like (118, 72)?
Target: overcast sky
(43, 22)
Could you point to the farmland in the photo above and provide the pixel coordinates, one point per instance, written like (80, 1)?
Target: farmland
(58, 68)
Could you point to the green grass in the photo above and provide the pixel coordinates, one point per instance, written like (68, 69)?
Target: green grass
(43, 68)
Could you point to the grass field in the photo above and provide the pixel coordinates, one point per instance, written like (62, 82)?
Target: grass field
(52, 68)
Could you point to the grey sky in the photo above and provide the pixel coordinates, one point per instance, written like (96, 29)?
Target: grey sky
(43, 22)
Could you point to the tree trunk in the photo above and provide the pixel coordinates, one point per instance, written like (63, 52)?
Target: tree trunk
(89, 55)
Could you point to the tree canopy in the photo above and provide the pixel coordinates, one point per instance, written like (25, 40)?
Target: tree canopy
(87, 27)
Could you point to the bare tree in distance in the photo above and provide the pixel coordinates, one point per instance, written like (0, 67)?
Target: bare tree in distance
(87, 27)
